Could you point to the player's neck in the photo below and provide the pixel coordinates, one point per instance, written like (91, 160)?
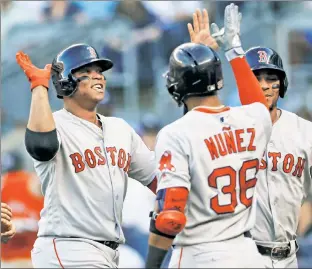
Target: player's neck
(209, 101)
(80, 112)
(275, 114)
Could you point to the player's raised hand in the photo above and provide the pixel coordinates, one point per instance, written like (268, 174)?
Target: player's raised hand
(35, 75)
(200, 32)
(229, 37)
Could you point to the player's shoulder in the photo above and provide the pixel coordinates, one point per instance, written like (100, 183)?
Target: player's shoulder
(294, 119)
(256, 110)
(61, 118)
(115, 123)
(59, 114)
(292, 116)
(112, 120)
(254, 107)
(177, 128)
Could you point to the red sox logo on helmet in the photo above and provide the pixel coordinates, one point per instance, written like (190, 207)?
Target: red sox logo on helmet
(92, 52)
(263, 56)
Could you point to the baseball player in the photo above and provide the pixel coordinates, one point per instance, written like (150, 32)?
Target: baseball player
(285, 174)
(7, 226)
(284, 178)
(83, 160)
(208, 161)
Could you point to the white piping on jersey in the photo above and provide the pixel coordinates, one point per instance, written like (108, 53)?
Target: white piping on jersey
(210, 107)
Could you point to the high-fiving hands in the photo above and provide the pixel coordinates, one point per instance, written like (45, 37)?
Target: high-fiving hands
(229, 37)
(7, 226)
(36, 76)
(200, 31)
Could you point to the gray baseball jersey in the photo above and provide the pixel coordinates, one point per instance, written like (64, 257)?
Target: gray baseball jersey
(84, 185)
(284, 179)
(215, 154)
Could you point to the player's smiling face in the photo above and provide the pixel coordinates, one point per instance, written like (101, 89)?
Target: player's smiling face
(270, 84)
(92, 83)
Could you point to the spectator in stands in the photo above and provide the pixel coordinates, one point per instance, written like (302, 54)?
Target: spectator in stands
(63, 10)
(146, 29)
(174, 17)
(172, 12)
(21, 191)
(13, 148)
(103, 10)
(18, 12)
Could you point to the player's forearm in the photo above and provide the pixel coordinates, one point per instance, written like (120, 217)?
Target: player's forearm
(159, 241)
(40, 117)
(157, 250)
(41, 137)
(248, 86)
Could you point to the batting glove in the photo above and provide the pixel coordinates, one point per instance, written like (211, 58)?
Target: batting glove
(36, 76)
(228, 37)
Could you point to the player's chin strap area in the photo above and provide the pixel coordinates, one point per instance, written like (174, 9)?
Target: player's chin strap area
(167, 223)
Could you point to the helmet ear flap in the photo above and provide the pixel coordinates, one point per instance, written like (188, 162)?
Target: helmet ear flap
(284, 88)
(65, 86)
(172, 87)
(69, 86)
(173, 90)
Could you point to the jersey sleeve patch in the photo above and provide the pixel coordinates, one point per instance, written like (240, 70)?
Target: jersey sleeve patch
(165, 162)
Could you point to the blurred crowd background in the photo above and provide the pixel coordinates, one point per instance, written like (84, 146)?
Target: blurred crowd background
(138, 36)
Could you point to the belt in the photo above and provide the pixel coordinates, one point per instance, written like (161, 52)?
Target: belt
(276, 252)
(111, 244)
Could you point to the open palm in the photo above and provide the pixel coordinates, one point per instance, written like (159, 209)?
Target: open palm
(200, 31)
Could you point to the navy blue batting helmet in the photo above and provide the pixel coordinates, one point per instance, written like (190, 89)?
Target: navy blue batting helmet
(266, 58)
(194, 70)
(70, 60)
